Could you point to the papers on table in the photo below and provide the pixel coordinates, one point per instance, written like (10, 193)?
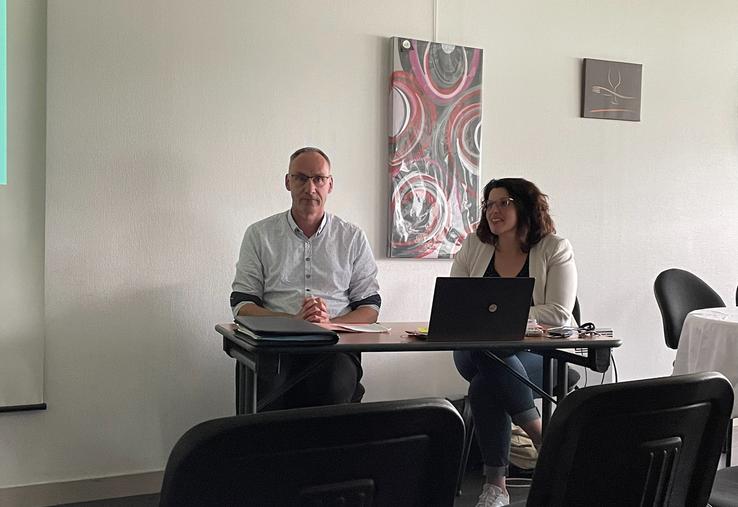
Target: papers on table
(356, 328)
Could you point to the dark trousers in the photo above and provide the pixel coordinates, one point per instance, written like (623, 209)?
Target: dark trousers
(497, 398)
(337, 380)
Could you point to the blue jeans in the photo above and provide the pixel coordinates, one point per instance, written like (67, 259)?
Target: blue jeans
(497, 398)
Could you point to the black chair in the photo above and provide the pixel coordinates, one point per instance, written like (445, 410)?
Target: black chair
(577, 312)
(368, 454)
(725, 489)
(678, 292)
(653, 442)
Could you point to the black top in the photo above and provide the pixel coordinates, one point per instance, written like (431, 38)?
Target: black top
(492, 272)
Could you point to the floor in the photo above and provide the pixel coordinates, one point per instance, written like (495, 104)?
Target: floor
(472, 486)
(128, 501)
(470, 490)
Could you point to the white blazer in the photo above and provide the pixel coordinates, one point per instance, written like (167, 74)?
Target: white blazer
(550, 262)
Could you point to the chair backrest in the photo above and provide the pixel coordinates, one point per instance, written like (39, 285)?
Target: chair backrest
(678, 292)
(653, 442)
(577, 312)
(362, 454)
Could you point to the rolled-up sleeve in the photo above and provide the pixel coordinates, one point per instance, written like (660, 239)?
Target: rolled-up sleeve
(364, 288)
(248, 285)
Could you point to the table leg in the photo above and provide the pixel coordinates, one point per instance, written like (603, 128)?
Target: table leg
(729, 443)
(239, 389)
(249, 391)
(246, 367)
(548, 388)
(561, 379)
(245, 390)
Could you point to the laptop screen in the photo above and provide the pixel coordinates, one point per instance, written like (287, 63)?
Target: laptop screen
(480, 309)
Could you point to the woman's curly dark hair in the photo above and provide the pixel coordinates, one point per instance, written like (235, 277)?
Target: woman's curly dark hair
(534, 222)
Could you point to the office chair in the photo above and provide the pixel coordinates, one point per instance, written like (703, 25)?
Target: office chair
(653, 442)
(725, 489)
(678, 292)
(368, 454)
(576, 312)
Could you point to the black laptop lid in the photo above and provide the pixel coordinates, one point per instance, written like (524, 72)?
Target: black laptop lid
(480, 309)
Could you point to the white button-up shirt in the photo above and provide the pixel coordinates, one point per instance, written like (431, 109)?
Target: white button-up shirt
(279, 266)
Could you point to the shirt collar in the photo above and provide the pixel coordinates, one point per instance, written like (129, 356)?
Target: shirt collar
(296, 229)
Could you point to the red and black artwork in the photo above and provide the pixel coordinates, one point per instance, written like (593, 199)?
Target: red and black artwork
(435, 143)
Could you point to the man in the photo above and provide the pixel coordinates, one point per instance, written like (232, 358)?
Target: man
(308, 264)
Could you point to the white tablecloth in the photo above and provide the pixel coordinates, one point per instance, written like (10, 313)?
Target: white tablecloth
(709, 342)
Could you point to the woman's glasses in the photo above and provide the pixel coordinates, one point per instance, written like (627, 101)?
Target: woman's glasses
(318, 181)
(502, 204)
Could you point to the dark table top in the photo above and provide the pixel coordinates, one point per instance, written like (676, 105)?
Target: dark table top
(397, 340)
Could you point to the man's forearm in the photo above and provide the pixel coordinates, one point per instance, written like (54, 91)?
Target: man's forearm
(255, 310)
(362, 315)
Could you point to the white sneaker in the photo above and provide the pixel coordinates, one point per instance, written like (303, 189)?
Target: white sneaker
(493, 496)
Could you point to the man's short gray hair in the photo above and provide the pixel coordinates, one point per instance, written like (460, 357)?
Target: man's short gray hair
(310, 149)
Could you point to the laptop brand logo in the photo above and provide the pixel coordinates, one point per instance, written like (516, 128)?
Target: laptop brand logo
(492, 308)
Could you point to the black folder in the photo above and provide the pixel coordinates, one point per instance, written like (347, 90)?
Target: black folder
(283, 331)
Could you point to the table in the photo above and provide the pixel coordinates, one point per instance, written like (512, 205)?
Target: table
(254, 360)
(709, 342)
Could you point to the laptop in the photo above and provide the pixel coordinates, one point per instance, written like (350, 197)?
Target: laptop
(480, 309)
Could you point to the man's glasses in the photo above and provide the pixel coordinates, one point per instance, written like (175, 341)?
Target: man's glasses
(318, 181)
(502, 204)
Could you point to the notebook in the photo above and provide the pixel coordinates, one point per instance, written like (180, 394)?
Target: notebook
(283, 330)
(480, 309)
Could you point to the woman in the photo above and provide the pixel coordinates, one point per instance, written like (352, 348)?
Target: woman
(515, 238)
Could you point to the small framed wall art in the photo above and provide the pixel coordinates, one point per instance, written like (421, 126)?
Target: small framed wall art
(611, 90)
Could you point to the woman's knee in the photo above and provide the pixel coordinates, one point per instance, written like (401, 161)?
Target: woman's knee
(465, 364)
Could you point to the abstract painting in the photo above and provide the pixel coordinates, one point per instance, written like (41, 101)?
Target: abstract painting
(435, 145)
(611, 90)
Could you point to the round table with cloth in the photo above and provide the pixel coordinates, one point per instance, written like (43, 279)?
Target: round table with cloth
(709, 342)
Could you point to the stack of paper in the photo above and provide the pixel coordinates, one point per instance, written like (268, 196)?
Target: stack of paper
(356, 328)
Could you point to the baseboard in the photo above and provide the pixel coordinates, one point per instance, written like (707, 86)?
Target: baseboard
(24, 408)
(84, 490)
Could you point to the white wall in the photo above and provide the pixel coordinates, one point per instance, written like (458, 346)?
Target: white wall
(22, 209)
(169, 127)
